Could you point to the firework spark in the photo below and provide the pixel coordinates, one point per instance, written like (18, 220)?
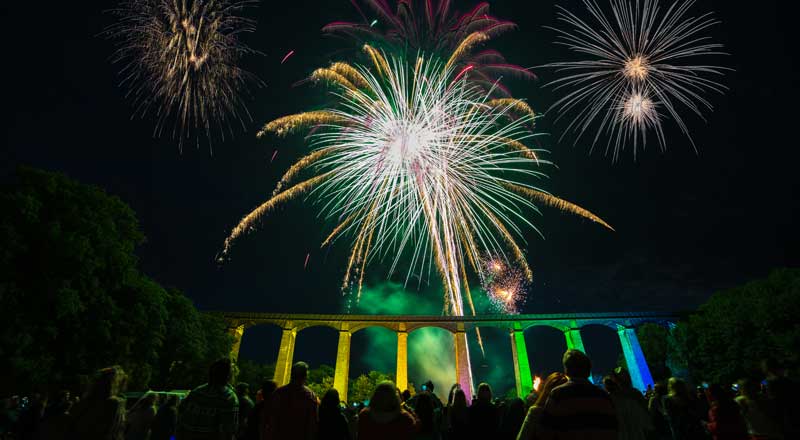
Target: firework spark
(410, 163)
(180, 62)
(640, 69)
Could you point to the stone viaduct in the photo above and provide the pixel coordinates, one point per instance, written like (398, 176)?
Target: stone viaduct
(570, 324)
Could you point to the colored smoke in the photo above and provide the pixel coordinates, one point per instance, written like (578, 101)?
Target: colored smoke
(430, 349)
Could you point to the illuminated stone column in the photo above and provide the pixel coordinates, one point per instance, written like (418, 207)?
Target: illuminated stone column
(634, 358)
(237, 333)
(342, 372)
(401, 378)
(522, 369)
(463, 370)
(574, 340)
(283, 367)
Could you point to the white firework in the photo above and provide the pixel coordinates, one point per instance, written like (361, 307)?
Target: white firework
(643, 59)
(413, 163)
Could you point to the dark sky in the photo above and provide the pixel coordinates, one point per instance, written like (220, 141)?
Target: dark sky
(686, 223)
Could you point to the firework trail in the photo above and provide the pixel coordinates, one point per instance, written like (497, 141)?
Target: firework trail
(640, 69)
(433, 27)
(412, 164)
(179, 62)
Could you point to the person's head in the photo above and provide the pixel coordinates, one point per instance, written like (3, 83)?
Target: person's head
(717, 393)
(484, 392)
(267, 388)
(242, 389)
(576, 364)
(428, 386)
(330, 401)
(677, 388)
(515, 409)
(452, 391)
(459, 398)
(299, 373)
(220, 372)
(622, 378)
(406, 395)
(552, 381)
(109, 382)
(384, 398)
(660, 389)
(611, 386)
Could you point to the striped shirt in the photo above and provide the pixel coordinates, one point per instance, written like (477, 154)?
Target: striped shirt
(579, 410)
(208, 411)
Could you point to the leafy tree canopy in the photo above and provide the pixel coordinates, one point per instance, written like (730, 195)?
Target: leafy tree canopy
(73, 297)
(737, 328)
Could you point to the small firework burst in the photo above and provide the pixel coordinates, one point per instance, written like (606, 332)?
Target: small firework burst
(636, 115)
(180, 62)
(505, 285)
(639, 67)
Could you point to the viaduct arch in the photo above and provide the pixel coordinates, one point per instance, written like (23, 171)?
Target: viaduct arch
(570, 324)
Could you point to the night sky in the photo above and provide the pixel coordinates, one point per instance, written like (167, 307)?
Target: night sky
(687, 223)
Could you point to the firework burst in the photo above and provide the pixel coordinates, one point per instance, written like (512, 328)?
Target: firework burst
(411, 163)
(180, 63)
(434, 27)
(641, 69)
(504, 284)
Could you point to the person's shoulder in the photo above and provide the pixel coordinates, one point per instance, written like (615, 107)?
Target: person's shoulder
(407, 417)
(229, 394)
(309, 393)
(577, 389)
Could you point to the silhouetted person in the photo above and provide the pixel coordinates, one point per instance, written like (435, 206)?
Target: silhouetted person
(246, 405)
(512, 418)
(785, 395)
(210, 411)
(140, 416)
(679, 409)
(384, 419)
(31, 418)
(484, 420)
(332, 423)
(428, 426)
(656, 409)
(532, 426)
(457, 417)
(166, 421)
(759, 414)
(101, 413)
(56, 418)
(578, 409)
(725, 421)
(257, 420)
(293, 409)
(633, 419)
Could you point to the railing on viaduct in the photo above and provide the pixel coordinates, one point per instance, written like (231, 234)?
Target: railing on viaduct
(570, 324)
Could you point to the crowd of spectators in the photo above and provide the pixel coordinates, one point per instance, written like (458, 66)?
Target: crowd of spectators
(567, 406)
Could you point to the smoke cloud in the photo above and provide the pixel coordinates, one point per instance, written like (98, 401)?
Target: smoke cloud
(430, 350)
